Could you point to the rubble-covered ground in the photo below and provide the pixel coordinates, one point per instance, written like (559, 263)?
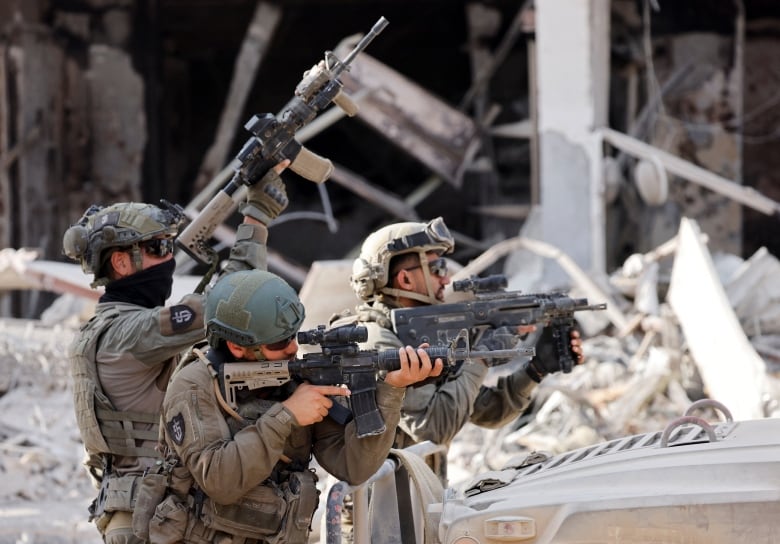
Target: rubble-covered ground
(634, 380)
(45, 492)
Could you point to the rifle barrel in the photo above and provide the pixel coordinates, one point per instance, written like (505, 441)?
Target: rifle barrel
(378, 27)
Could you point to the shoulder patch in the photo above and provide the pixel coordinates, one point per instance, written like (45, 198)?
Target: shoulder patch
(182, 316)
(176, 428)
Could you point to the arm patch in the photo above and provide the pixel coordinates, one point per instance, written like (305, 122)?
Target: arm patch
(182, 317)
(176, 429)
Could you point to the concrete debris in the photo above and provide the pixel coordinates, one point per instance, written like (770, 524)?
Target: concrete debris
(637, 378)
(677, 347)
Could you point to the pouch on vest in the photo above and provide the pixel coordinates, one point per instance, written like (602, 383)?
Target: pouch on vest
(302, 496)
(169, 522)
(120, 493)
(257, 514)
(151, 492)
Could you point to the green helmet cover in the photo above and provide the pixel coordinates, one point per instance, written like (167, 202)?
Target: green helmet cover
(252, 307)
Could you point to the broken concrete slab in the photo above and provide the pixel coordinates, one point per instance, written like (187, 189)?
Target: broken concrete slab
(732, 371)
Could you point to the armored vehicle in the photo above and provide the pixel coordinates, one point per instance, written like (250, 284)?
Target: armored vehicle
(693, 482)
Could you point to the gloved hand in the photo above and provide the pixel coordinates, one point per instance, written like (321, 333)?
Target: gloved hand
(266, 199)
(556, 350)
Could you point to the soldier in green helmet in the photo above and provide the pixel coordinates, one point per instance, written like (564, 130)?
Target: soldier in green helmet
(243, 475)
(123, 357)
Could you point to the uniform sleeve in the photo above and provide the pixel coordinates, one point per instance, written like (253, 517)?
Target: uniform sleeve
(250, 250)
(154, 335)
(498, 405)
(225, 468)
(352, 459)
(436, 412)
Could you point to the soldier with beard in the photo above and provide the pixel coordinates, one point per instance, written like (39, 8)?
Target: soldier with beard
(122, 358)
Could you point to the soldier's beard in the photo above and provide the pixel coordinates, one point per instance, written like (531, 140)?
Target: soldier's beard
(148, 288)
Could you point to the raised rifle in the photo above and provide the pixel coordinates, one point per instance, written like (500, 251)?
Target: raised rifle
(273, 141)
(491, 308)
(342, 362)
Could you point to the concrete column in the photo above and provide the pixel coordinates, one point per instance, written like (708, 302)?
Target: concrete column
(573, 76)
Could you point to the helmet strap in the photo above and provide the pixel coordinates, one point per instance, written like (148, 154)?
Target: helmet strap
(259, 355)
(138, 260)
(398, 293)
(429, 298)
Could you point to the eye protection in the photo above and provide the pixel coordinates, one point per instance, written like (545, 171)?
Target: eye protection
(158, 247)
(436, 233)
(438, 267)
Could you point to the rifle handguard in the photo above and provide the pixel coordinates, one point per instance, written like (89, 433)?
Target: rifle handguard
(194, 237)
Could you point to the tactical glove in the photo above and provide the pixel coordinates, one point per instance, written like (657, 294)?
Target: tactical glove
(553, 353)
(266, 199)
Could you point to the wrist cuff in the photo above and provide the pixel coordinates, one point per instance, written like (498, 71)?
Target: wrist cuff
(533, 372)
(250, 210)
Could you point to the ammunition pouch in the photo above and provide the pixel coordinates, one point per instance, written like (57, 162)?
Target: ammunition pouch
(117, 494)
(258, 514)
(276, 513)
(169, 522)
(302, 498)
(151, 493)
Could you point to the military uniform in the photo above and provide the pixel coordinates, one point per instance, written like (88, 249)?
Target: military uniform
(234, 479)
(121, 362)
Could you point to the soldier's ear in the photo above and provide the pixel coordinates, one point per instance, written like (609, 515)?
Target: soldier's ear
(403, 279)
(236, 350)
(121, 263)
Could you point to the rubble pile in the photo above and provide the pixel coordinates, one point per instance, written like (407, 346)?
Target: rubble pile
(45, 491)
(640, 379)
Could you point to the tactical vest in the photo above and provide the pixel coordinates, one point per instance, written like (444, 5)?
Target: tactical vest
(104, 429)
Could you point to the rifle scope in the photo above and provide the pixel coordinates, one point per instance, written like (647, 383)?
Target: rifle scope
(346, 334)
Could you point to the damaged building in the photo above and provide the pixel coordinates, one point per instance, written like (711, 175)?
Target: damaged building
(603, 122)
(624, 150)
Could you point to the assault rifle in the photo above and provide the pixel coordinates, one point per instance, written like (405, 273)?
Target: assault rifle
(273, 140)
(343, 362)
(492, 308)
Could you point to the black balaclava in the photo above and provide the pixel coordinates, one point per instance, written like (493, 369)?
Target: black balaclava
(148, 288)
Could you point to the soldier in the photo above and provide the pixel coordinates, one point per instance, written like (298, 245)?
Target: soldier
(123, 357)
(402, 265)
(241, 476)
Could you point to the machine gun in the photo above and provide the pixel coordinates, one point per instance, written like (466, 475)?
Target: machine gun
(343, 362)
(492, 308)
(273, 141)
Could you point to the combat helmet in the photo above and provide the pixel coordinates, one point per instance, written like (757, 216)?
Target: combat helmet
(371, 270)
(252, 307)
(125, 224)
